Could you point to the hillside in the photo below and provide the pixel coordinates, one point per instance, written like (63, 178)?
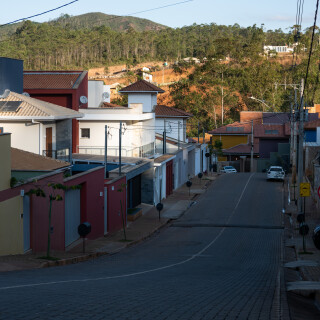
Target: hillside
(94, 19)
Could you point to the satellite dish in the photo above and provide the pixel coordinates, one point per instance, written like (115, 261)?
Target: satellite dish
(105, 95)
(83, 99)
(5, 94)
(26, 94)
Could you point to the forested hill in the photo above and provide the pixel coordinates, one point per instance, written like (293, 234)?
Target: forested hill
(94, 19)
(58, 45)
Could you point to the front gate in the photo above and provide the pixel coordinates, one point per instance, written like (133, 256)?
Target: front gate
(72, 216)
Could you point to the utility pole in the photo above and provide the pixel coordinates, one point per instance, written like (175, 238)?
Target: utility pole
(222, 106)
(198, 132)
(251, 160)
(120, 137)
(164, 138)
(178, 135)
(203, 134)
(106, 174)
(294, 152)
(291, 133)
(301, 138)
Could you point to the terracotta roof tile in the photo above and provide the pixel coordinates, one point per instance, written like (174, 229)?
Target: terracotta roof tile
(31, 107)
(242, 149)
(141, 86)
(51, 80)
(162, 111)
(28, 161)
(235, 128)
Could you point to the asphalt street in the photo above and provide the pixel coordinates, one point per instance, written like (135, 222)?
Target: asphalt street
(221, 260)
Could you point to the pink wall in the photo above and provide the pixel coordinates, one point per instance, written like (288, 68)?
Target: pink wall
(114, 209)
(91, 199)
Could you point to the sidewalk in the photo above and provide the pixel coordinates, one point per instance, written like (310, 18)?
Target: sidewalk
(302, 269)
(142, 228)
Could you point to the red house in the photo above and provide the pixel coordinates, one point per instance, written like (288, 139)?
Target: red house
(65, 88)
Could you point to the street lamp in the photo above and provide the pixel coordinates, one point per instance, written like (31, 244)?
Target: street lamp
(253, 98)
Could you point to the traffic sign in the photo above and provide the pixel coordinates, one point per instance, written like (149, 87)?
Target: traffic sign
(305, 189)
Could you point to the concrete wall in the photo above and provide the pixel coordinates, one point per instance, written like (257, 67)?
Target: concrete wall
(5, 161)
(11, 75)
(95, 91)
(148, 100)
(25, 136)
(64, 134)
(11, 226)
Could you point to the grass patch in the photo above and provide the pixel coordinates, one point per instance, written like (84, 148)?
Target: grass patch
(48, 258)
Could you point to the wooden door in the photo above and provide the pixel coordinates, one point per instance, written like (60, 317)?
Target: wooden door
(49, 142)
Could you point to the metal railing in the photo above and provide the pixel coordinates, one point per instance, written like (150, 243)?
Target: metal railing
(61, 154)
(145, 151)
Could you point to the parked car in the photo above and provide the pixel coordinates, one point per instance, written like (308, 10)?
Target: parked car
(275, 173)
(229, 169)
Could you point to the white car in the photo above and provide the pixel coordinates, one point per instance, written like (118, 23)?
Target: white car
(275, 173)
(228, 169)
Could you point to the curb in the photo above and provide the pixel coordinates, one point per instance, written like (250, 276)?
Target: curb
(83, 258)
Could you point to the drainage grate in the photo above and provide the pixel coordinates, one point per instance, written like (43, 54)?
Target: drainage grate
(215, 225)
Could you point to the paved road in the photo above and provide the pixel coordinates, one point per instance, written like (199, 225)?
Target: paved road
(221, 260)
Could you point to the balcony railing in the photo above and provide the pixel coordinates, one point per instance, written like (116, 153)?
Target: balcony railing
(61, 154)
(145, 151)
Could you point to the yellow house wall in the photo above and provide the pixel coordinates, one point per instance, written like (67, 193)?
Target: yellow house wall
(11, 226)
(5, 161)
(230, 141)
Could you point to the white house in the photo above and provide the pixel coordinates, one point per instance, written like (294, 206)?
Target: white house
(37, 126)
(137, 119)
(173, 121)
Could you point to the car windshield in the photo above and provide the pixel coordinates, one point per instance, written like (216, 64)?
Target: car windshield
(229, 167)
(275, 169)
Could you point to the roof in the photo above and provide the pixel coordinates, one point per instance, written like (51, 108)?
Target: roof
(232, 129)
(162, 111)
(31, 108)
(141, 86)
(52, 79)
(270, 131)
(163, 158)
(28, 161)
(242, 149)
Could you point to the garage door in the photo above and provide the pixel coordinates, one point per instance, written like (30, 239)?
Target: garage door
(72, 216)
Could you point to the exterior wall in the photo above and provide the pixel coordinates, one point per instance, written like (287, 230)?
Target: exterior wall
(11, 226)
(137, 134)
(147, 187)
(172, 132)
(197, 161)
(5, 161)
(95, 91)
(146, 99)
(61, 98)
(269, 145)
(230, 141)
(92, 206)
(113, 202)
(191, 163)
(64, 134)
(11, 75)
(25, 136)
(318, 134)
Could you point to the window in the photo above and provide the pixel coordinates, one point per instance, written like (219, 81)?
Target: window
(85, 133)
(235, 129)
(271, 131)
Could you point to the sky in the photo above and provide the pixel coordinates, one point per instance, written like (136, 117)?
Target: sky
(274, 14)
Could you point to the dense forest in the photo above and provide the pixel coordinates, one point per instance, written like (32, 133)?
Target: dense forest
(235, 68)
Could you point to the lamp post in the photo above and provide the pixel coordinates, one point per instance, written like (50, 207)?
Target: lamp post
(253, 98)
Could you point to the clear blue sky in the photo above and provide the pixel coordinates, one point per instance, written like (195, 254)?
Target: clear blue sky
(273, 13)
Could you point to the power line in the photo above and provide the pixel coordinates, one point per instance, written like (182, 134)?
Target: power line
(39, 14)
